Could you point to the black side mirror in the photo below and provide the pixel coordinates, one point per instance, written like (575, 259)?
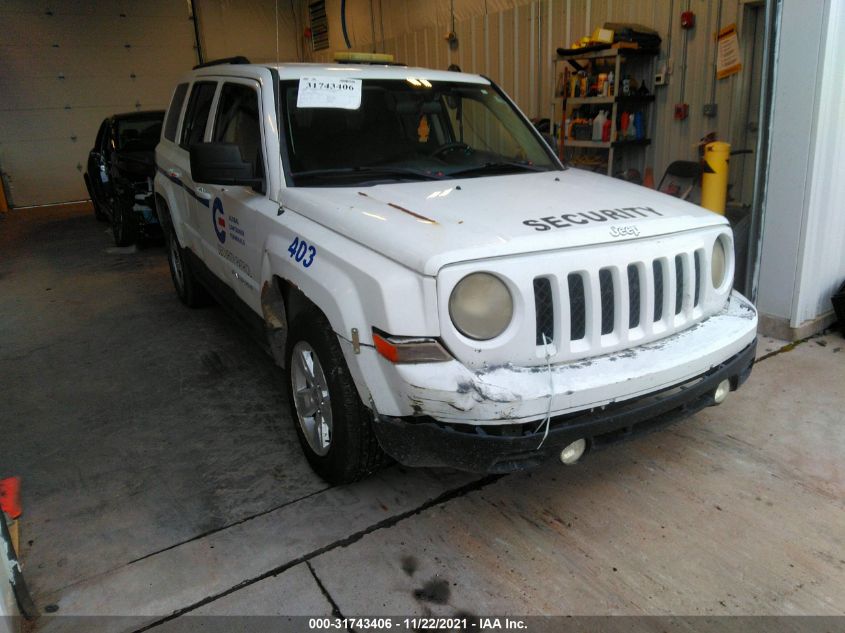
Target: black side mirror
(221, 164)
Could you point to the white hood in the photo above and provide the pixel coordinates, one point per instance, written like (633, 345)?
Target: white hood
(427, 225)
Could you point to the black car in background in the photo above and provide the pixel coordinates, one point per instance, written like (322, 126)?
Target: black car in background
(120, 171)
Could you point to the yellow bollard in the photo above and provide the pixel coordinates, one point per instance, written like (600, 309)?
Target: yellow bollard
(714, 182)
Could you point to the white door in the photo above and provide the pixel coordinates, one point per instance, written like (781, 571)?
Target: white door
(201, 230)
(235, 210)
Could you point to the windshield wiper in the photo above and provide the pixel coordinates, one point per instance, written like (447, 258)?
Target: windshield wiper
(498, 166)
(374, 170)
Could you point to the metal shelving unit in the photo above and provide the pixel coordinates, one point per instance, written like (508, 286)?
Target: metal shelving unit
(617, 60)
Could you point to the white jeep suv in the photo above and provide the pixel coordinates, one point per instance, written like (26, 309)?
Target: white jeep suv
(437, 285)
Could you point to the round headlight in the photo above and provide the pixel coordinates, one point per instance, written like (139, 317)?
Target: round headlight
(719, 263)
(481, 306)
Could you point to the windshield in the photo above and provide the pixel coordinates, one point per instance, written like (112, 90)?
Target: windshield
(137, 134)
(409, 130)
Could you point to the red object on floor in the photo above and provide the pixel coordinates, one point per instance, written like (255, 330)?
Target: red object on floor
(10, 498)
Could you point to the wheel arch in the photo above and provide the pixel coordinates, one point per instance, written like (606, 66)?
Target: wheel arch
(282, 301)
(167, 205)
(163, 211)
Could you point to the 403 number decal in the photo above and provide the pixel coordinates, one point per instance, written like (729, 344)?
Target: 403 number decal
(302, 252)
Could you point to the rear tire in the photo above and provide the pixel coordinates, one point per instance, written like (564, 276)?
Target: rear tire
(334, 427)
(124, 224)
(188, 288)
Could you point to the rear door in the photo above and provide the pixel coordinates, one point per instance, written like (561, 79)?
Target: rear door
(193, 130)
(171, 164)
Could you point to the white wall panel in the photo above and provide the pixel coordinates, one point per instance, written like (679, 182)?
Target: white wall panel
(789, 164)
(823, 252)
(65, 68)
(803, 259)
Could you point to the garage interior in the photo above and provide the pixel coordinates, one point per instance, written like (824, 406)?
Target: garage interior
(161, 475)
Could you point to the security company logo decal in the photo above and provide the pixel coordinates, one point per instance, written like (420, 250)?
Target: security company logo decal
(219, 220)
(602, 215)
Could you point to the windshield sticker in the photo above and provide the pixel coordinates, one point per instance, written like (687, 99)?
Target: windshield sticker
(602, 215)
(329, 92)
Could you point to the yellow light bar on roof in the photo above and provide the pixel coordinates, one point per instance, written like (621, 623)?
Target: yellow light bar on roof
(366, 58)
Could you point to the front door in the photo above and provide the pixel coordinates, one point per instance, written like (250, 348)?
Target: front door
(98, 174)
(235, 210)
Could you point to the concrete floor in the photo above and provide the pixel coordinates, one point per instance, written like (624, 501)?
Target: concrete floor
(162, 477)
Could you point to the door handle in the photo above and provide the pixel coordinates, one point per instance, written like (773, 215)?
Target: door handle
(203, 193)
(174, 174)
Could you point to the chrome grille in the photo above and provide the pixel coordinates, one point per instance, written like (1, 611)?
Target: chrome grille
(545, 311)
(607, 300)
(697, 297)
(629, 301)
(577, 308)
(658, 289)
(633, 296)
(679, 284)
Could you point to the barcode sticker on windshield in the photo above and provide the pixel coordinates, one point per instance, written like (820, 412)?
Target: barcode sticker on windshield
(329, 92)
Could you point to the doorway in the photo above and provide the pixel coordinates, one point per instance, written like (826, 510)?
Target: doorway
(747, 166)
(743, 170)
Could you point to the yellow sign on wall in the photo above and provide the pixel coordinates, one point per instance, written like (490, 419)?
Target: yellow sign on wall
(727, 58)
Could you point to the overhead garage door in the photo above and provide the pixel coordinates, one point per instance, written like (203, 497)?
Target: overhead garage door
(64, 67)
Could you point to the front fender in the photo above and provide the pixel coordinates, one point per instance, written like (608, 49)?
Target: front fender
(174, 198)
(354, 287)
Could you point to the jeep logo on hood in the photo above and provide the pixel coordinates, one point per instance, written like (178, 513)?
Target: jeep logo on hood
(602, 215)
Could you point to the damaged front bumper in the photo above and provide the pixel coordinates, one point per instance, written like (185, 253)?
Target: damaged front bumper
(503, 449)
(489, 421)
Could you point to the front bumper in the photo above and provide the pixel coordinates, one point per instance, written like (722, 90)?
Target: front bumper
(507, 448)
(506, 394)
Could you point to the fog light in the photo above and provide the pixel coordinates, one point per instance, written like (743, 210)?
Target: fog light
(722, 391)
(572, 452)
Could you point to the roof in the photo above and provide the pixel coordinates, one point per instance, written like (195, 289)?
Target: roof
(362, 71)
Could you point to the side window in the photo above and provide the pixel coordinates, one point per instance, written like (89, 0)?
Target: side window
(196, 115)
(237, 122)
(174, 111)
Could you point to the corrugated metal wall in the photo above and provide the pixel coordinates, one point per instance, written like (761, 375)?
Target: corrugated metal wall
(261, 30)
(65, 67)
(48, 122)
(513, 42)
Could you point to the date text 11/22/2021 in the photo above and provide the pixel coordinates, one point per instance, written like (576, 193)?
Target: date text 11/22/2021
(419, 624)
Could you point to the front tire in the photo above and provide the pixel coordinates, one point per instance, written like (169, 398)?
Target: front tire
(333, 426)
